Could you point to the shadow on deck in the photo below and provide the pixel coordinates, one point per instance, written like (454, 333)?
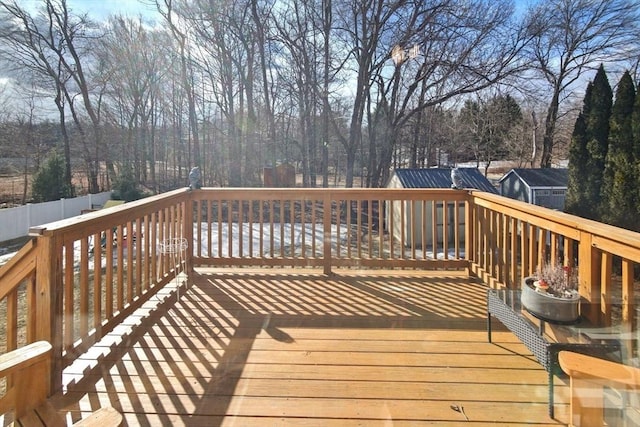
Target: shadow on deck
(249, 347)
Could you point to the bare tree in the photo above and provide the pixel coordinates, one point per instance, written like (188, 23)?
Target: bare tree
(442, 49)
(226, 57)
(298, 31)
(131, 61)
(181, 34)
(571, 37)
(29, 47)
(76, 33)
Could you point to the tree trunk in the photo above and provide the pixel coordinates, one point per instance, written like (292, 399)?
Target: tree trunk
(549, 130)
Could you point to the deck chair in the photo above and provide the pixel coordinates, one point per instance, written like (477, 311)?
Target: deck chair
(26, 370)
(588, 378)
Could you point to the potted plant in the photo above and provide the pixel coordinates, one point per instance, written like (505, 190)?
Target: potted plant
(552, 293)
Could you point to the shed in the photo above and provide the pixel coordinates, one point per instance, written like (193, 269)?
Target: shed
(419, 231)
(540, 186)
(283, 175)
(439, 178)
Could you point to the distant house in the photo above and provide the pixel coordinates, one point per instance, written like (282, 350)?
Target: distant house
(439, 178)
(542, 187)
(420, 231)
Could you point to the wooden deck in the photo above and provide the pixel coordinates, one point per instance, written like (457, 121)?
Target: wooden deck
(249, 347)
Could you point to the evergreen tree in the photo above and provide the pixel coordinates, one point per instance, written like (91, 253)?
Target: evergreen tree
(619, 195)
(578, 155)
(49, 182)
(125, 187)
(635, 126)
(597, 127)
(575, 202)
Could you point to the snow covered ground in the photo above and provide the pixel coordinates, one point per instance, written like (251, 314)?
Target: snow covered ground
(283, 240)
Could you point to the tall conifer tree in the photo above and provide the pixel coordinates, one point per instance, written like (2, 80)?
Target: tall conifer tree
(575, 202)
(578, 155)
(619, 195)
(597, 126)
(635, 126)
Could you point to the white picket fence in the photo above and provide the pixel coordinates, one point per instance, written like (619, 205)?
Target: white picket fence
(15, 222)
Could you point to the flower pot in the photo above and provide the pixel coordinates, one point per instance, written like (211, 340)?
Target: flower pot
(548, 307)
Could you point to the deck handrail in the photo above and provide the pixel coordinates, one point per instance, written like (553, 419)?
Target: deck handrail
(589, 245)
(329, 228)
(78, 299)
(17, 277)
(85, 274)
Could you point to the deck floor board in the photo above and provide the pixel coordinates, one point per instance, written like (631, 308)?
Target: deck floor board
(301, 348)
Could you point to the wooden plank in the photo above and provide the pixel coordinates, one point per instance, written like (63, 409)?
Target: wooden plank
(248, 421)
(188, 379)
(371, 410)
(46, 414)
(346, 388)
(300, 347)
(103, 417)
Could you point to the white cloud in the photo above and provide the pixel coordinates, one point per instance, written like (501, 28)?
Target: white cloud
(102, 9)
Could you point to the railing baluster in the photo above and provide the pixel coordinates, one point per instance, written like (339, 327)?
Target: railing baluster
(128, 243)
(412, 227)
(155, 238)
(503, 260)
(210, 223)
(369, 227)
(606, 294)
(513, 253)
(147, 238)
(338, 231)
(292, 224)
(403, 228)
(359, 228)
(240, 222)
(69, 296)
(445, 229)
(261, 219)
(271, 230)
(12, 320)
(303, 220)
(250, 225)
(314, 213)
(95, 251)
(120, 268)
(108, 238)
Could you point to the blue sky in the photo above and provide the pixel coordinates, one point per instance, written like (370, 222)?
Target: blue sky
(101, 9)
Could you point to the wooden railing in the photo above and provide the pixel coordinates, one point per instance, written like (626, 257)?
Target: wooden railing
(80, 277)
(380, 228)
(511, 238)
(18, 296)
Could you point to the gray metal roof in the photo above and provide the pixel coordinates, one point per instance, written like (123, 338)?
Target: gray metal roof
(542, 177)
(441, 178)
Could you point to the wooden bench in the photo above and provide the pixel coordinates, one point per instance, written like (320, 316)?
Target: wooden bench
(27, 387)
(588, 376)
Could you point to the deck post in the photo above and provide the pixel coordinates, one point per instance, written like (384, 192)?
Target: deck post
(589, 277)
(326, 232)
(187, 232)
(48, 304)
(469, 230)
